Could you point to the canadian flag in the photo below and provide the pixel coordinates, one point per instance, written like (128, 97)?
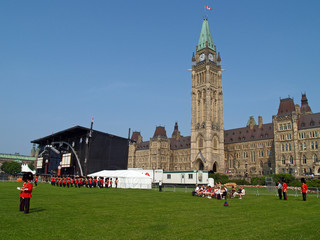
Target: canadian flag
(207, 7)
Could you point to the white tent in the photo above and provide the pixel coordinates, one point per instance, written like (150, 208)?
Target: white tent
(25, 168)
(126, 178)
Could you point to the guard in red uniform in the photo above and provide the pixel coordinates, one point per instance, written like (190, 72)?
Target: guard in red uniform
(110, 182)
(106, 182)
(21, 195)
(68, 182)
(284, 189)
(304, 189)
(95, 181)
(36, 181)
(116, 182)
(27, 190)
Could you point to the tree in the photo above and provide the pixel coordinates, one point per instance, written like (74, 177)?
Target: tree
(11, 167)
(31, 165)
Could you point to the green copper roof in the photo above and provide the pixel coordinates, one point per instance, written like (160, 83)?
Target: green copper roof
(16, 157)
(205, 36)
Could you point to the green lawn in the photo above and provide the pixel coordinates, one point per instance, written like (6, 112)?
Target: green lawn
(60, 213)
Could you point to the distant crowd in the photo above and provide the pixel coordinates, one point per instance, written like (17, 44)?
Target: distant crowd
(218, 191)
(88, 182)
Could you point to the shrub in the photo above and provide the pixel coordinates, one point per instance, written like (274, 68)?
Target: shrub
(314, 183)
(219, 178)
(240, 181)
(295, 183)
(258, 181)
(278, 177)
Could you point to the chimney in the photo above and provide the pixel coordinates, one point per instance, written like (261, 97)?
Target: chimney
(260, 121)
(252, 122)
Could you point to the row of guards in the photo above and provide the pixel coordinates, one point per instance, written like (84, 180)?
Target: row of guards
(88, 182)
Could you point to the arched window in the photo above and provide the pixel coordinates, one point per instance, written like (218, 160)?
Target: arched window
(283, 160)
(215, 143)
(291, 160)
(200, 142)
(315, 158)
(304, 160)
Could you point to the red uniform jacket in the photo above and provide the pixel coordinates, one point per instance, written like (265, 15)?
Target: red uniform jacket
(284, 187)
(28, 189)
(304, 188)
(22, 192)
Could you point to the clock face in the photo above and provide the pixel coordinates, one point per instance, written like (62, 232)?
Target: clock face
(211, 57)
(202, 57)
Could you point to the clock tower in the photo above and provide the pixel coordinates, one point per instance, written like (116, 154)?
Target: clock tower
(207, 131)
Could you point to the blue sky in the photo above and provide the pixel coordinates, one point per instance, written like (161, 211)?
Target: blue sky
(125, 63)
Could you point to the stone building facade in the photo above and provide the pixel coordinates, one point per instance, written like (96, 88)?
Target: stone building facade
(290, 144)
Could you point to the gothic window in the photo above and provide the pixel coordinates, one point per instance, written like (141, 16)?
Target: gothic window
(289, 146)
(291, 160)
(200, 143)
(304, 160)
(215, 143)
(312, 145)
(315, 158)
(316, 145)
(283, 160)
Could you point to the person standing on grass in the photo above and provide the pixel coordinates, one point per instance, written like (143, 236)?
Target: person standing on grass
(22, 194)
(284, 189)
(160, 186)
(26, 192)
(304, 189)
(280, 189)
(36, 181)
(116, 182)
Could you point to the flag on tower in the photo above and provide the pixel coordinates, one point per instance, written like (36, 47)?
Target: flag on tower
(207, 7)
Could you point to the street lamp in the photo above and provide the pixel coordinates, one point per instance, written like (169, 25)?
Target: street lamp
(46, 171)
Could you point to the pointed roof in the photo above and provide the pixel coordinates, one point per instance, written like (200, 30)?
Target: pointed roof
(205, 36)
(176, 132)
(160, 132)
(286, 106)
(305, 108)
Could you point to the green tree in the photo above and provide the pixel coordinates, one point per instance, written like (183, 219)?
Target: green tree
(31, 165)
(11, 167)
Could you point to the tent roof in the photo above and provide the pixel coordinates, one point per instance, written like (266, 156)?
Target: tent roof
(119, 173)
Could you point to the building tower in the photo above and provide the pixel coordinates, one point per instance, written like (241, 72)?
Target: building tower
(207, 131)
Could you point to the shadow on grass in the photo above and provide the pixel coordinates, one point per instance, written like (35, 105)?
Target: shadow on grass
(34, 210)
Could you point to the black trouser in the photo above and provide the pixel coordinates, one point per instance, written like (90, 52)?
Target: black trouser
(304, 196)
(284, 195)
(280, 193)
(21, 204)
(26, 205)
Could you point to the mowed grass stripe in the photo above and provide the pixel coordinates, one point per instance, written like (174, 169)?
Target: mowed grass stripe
(61, 213)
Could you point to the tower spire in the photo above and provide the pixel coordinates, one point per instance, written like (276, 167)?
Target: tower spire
(205, 36)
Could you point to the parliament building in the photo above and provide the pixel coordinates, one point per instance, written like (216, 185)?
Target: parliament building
(290, 144)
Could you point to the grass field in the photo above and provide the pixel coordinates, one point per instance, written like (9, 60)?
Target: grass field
(60, 213)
